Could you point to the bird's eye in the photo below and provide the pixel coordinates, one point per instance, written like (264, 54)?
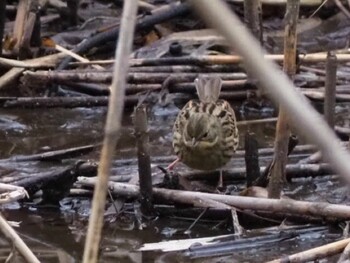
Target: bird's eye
(205, 135)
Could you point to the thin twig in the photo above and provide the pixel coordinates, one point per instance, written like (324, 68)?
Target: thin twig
(76, 56)
(188, 230)
(318, 8)
(112, 128)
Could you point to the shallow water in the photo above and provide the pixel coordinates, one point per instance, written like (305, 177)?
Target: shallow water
(57, 234)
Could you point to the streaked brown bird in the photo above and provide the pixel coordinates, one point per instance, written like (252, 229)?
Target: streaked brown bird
(205, 130)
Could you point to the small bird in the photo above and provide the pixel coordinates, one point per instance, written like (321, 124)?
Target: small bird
(205, 130)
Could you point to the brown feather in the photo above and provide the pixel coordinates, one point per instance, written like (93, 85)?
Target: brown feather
(208, 111)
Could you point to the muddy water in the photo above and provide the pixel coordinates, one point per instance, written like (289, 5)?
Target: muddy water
(57, 234)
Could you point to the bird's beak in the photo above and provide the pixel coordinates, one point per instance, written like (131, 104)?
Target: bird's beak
(194, 142)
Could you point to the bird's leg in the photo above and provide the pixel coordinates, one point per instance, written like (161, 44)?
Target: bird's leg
(167, 171)
(171, 166)
(220, 183)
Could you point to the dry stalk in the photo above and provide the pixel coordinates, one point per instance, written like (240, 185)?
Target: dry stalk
(2, 21)
(278, 172)
(251, 158)
(252, 18)
(76, 56)
(24, 26)
(22, 248)
(144, 160)
(112, 128)
(215, 59)
(304, 117)
(315, 253)
(345, 256)
(5, 62)
(330, 88)
(23, 9)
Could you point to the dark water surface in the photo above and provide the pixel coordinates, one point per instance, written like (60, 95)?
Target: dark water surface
(57, 234)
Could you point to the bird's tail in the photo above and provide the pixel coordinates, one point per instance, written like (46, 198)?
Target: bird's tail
(208, 88)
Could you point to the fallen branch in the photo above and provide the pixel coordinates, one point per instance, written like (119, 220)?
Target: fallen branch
(287, 206)
(227, 59)
(292, 171)
(93, 76)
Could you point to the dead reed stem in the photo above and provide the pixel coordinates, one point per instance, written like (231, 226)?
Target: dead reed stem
(144, 160)
(20, 22)
(315, 253)
(252, 18)
(22, 248)
(112, 127)
(251, 158)
(215, 59)
(304, 117)
(2, 21)
(345, 256)
(330, 88)
(283, 2)
(278, 171)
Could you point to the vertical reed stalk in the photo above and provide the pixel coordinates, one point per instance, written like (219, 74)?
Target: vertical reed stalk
(112, 128)
(144, 160)
(278, 173)
(330, 86)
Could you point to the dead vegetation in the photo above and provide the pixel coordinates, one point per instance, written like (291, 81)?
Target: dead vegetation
(141, 58)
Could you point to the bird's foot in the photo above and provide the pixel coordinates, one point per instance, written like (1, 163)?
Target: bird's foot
(170, 179)
(220, 188)
(171, 166)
